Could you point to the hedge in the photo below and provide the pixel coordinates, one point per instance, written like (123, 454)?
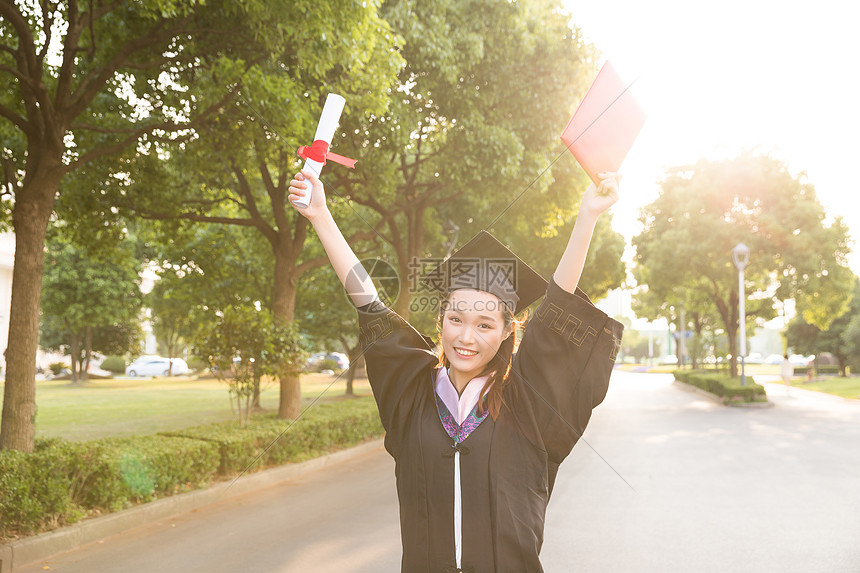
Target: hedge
(62, 482)
(266, 437)
(723, 386)
(115, 364)
(819, 370)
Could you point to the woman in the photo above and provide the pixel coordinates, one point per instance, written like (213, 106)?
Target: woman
(478, 434)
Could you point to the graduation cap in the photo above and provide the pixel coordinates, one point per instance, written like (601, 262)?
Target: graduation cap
(486, 264)
(605, 125)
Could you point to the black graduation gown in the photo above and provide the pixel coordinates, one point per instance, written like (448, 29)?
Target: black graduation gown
(508, 466)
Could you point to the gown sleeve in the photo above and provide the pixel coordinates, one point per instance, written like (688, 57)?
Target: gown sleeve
(399, 364)
(562, 368)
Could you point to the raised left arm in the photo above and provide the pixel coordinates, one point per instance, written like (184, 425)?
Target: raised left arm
(595, 201)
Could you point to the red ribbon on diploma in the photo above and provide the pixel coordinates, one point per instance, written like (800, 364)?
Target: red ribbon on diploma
(319, 152)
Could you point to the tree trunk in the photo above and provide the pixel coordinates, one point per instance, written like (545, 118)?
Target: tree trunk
(255, 400)
(30, 216)
(355, 355)
(74, 356)
(733, 345)
(284, 310)
(88, 353)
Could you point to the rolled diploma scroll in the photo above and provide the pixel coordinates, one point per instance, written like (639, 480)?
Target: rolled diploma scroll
(325, 130)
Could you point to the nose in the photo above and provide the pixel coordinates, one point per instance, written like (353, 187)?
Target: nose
(467, 335)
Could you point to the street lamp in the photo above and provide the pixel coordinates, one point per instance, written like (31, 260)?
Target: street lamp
(741, 256)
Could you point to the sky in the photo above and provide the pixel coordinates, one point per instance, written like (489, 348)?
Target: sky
(719, 77)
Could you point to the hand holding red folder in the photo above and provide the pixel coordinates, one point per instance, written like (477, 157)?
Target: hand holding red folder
(605, 125)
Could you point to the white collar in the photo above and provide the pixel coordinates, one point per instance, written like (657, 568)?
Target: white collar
(459, 406)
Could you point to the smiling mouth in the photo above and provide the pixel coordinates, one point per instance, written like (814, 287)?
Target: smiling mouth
(465, 353)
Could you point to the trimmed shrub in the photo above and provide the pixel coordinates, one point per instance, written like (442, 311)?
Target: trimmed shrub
(33, 494)
(197, 364)
(828, 369)
(57, 367)
(724, 386)
(327, 364)
(267, 440)
(62, 482)
(114, 364)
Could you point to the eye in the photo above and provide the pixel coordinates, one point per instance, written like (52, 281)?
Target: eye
(490, 326)
(454, 319)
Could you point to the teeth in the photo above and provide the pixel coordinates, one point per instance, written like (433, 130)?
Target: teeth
(466, 352)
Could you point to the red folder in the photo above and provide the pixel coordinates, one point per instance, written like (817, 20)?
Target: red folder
(605, 125)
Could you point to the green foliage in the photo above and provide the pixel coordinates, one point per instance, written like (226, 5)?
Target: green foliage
(114, 364)
(61, 482)
(57, 367)
(851, 340)
(321, 429)
(461, 138)
(103, 91)
(171, 304)
(328, 364)
(685, 249)
(635, 345)
(806, 338)
(723, 386)
(89, 300)
(246, 344)
(827, 369)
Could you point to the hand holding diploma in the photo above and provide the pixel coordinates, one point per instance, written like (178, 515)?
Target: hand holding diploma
(308, 195)
(315, 155)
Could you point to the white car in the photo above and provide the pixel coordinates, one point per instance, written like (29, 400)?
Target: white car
(156, 366)
(800, 360)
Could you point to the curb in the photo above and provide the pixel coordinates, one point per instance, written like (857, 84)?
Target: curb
(27, 551)
(717, 399)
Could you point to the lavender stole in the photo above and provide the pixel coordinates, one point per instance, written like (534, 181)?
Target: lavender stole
(469, 425)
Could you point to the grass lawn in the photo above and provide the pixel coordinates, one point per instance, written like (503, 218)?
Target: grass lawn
(128, 406)
(845, 387)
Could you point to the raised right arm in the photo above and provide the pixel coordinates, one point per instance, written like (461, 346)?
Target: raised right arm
(349, 270)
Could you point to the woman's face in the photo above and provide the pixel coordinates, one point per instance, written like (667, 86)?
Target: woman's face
(473, 328)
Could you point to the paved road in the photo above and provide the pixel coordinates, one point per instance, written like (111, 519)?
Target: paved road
(716, 489)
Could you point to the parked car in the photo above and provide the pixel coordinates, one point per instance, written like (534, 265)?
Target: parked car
(774, 359)
(800, 360)
(156, 366)
(754, 358)
(314, 363)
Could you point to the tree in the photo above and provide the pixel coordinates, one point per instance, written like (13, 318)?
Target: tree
(172, 322)
(203, 270)
(705, 209)
(837, 339)
(83, 82)
(246, 344)
(84, 298)
(473, 120)
(700, 313)
(851, 340)
(238, 171)
(328, 317)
